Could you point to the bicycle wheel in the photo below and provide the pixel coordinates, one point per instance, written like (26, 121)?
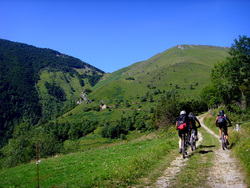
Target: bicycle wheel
(223, 142)
(194, 137)
(183, 146)
(192, 140)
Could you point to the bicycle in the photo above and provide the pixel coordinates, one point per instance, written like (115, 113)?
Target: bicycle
(223, 139)
(193, 139)
(184, 145)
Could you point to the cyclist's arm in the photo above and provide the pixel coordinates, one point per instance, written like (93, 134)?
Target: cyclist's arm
(216, 122)
(229, 121)
(176, 125)
(198, 122)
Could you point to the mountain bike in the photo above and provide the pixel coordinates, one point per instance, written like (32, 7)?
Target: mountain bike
(223, 139)
(184, 145)
(193, 139)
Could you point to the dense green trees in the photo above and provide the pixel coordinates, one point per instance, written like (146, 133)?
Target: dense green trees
(19, 72)
(169, 109)
(230, 78)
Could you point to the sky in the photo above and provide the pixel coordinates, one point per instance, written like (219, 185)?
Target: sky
(113, 34)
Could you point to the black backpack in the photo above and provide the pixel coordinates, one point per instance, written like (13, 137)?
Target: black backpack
(182, 122)
(192, 119)
(221, 121)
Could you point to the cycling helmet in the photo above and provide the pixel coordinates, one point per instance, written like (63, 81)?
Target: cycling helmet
(183, 112)
(222, 112)
(191, 113)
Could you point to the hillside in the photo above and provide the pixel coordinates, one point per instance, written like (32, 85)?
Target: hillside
(41, 87)
(37, 84)
(184, 69)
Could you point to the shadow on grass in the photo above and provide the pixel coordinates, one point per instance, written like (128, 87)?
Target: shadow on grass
(205, 151)
(202, 146)
(230, 146)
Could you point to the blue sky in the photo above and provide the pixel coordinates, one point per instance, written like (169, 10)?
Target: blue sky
(113, 34)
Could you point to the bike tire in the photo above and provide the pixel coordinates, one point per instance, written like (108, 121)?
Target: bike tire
(223, 144)
(183, 147)
(192, 142)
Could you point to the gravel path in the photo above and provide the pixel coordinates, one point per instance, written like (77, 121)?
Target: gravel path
(225, 172)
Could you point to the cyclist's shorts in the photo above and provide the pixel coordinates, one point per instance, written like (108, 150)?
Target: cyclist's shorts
(180, 132)
(225, 128)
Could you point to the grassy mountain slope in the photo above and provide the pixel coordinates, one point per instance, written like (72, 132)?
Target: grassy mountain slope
(36, 83)
(140, 87)
(175, 68)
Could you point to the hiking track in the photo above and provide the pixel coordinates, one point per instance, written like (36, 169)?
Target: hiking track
(224, 173)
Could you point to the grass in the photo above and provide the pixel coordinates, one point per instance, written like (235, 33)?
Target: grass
(120, 165)
(161, 70)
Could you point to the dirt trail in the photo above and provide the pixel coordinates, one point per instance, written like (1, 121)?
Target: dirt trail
(224, 173)
(175, 167)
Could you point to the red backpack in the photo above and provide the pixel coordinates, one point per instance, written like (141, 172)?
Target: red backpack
(182, 122)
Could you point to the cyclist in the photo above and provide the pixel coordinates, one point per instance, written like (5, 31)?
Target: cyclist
(221, 122)
(183, 119)
(194, 120)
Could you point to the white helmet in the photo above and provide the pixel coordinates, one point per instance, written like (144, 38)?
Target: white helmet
(183, 112)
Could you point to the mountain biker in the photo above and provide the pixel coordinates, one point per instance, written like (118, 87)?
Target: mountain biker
(221, 122)
(183, 119)
(193, 119)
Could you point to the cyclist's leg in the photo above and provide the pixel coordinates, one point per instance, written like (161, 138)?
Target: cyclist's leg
(220, 132)
(226, 134)
(180, 140)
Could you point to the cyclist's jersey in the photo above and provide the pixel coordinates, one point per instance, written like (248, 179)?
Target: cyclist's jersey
(193, 120)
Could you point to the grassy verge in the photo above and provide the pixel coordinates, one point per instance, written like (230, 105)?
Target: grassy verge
(119, 165)
(239, 140)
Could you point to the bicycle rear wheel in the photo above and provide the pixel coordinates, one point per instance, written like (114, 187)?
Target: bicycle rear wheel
(183, 146)
(193, 141)
(223, 141)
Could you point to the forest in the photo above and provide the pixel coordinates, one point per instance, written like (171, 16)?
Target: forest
(19, 72)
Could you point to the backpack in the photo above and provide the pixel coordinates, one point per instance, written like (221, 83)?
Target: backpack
(221, 121)
(182, 123)
(192, 119)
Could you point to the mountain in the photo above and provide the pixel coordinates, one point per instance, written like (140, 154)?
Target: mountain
(37, 84)
(183, 69)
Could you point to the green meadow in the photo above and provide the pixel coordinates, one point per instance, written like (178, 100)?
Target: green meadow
(117, 164)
